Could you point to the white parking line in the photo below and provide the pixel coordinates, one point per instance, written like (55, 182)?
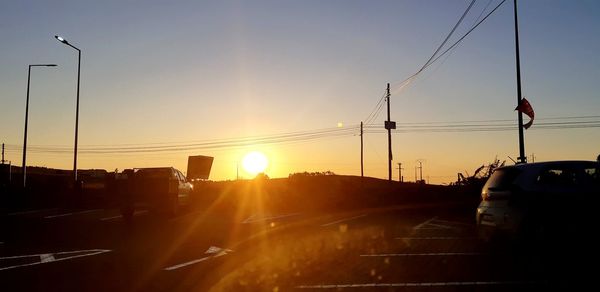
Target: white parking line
(136, 213)
(344, 220)
(419, 226)
(69, 214)
(441, 226)
(453, 222)
(52, 257)
(420, 284)
(215, 251)
(432, 238)
(29, 212)
(265, 218)
(423, 254)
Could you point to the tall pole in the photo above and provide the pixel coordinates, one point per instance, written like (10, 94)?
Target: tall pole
(362, 165)
(416, 173)
(24, 164)
(421, 170)
(62, 40)
(76, 118)
(389, 129)
(400, 172)
(2, 153)
(522, 158)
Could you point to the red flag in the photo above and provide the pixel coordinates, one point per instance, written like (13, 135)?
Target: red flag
(525, 107)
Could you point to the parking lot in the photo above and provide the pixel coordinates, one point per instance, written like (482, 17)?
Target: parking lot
(417, 248)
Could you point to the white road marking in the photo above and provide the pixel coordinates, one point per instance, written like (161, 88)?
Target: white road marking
(265, 218)
(136, 213)
(344, 220)
(420, 284)
(432, 238)
(215, 251)
(440, 226)
(29, 212)
(52, 257)
(423, 254)
(424, 223)
(453, 222)
(46, 258)
(69, 214)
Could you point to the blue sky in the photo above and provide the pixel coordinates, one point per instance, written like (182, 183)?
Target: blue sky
(166, 71)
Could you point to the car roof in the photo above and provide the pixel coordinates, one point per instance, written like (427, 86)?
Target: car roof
(154, 168)
(545, 164)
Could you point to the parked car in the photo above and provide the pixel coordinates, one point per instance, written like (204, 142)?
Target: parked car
(538, 200)
(162, 189)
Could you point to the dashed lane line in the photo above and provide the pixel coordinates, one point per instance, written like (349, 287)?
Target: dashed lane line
(213, 250)
(136, 213)
(418, 284)
(29, 212)
(344, 220)
(45, 258)
(252, 219)
(423, 254)
(433, 238)
(71, 213)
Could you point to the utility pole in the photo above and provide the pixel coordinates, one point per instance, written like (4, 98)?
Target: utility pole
(416, 173)
(362, 165)
(389, 125)
(420, 167)
(2, 153)
(400, 172)
(522, 158)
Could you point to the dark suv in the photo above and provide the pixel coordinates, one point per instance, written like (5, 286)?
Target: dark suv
(539, 199)
(162, 189)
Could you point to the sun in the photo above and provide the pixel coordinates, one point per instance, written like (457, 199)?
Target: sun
(255, 162)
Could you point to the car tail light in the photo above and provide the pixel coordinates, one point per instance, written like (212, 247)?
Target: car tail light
(491, 195)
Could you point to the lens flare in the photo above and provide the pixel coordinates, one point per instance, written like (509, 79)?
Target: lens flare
(255, 162)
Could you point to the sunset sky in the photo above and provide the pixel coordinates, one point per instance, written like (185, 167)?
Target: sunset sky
(185, 72)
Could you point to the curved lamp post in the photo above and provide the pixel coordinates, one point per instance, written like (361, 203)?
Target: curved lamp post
(64, 41)
(26, 119)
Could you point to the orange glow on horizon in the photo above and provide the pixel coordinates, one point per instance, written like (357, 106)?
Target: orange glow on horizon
(255, 162)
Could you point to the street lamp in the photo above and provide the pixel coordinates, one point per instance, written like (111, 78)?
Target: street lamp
(26, 118)
(62, 40)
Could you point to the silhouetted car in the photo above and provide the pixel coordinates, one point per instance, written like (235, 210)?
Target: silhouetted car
(162, 189)
(536, 200)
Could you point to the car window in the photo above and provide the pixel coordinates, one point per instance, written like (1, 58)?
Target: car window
(569, 177)
(557, 177)
(152, 173)
(502, 179)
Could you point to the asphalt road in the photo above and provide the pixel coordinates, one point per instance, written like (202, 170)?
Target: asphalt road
(399, 248)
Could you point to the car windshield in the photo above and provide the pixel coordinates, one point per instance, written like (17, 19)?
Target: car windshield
(291, 145)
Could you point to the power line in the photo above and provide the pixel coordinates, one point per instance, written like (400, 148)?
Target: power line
(210, 144)
(447, 37)
(432, 59)
(468, 32)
